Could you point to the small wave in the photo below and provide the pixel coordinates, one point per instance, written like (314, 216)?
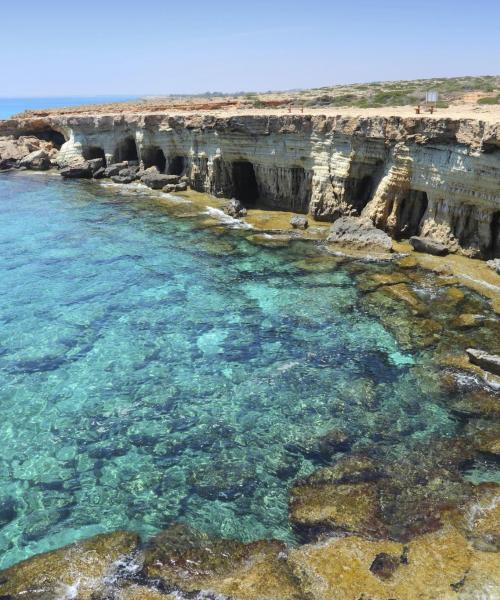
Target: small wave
(221, 216)
(132, 188)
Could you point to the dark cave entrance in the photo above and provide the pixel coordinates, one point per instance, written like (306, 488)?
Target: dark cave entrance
(126, 150)
(245, 186)
(362, 193)
(176, 165)
(94, 152)
(495, 235)
(152, 156)
(410, 213)
(49, 135)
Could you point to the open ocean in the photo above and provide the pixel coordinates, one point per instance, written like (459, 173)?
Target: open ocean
(12, 106)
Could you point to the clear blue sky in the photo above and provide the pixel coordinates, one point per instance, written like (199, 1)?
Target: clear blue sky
(56, 47)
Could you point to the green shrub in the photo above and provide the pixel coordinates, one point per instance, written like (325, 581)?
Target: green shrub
(490, 100)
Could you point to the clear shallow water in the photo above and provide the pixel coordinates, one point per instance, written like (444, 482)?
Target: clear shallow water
(12, 106)
(153, 371)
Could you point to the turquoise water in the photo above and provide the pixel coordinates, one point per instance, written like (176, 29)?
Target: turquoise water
(12, 106)
(156, 370)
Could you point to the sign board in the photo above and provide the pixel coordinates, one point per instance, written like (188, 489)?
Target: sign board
(431, 96)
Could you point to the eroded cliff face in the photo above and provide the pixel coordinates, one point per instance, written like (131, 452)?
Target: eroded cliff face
(433, 177)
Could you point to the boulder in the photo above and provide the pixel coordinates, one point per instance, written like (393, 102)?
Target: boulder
(100, 173)
(81, 171)
(487, 362)
(299, 222)
(129, 172)
(7, 163)
(115, 168)
(150, 171)
(18, 148)
(421, 244)
(494, 264)
(234, 208)
(359, 233)
(122, 178)
(170, 188)
(157, 181)
(95, 164)
(38, 160)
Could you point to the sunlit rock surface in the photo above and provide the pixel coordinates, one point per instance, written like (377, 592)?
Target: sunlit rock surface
(436, 178)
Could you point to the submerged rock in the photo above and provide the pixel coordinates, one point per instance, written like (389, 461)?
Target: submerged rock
(468, 320)
(359, 233)
(319, 507)
(484, 435)
(421, 244)
(234, 208)
(77, 571)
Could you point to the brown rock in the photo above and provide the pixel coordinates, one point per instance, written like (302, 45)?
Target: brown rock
(467, 320)
(193, 561)
(436, 566)
(81, 566)
(487, 362)
(335, 507)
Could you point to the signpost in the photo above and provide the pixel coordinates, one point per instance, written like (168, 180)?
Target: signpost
(431, 98)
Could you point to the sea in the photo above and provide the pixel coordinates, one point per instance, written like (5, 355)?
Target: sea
(158, 367)
(12, 106)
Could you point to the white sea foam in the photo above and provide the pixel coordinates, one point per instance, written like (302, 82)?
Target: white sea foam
(221, 216)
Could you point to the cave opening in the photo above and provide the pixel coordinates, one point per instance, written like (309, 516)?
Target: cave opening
(410, 213)
(495, 235)
(126, 150)
(245, 186)
(49, 135)
(153, 156)
(94, 152)
(176, 165)
(362, 193)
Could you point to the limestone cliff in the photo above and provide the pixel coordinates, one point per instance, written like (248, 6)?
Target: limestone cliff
(433, 177)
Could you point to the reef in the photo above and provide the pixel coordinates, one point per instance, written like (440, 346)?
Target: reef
(434, 178)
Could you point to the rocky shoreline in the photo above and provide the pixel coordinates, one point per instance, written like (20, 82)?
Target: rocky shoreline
(436, 179)
(370, 526)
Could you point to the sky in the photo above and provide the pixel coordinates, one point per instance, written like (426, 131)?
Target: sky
(68, 48)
